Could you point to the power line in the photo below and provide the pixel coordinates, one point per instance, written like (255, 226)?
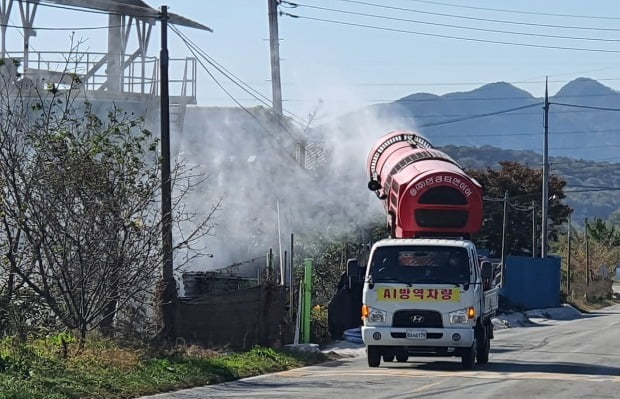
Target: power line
(479, 115)
(591, 163)
(470, 39)
(585, 110)
(45, 3)
(586, 106)
(236, 80)
(223, 88)
(513, 134)
(592, 190)
(514, 11)
(481, 19)
(477, 83)
(509, 98)
(63, 29)
(596, 187)
(582, 147)
(348, 12)
(254, 117)
(451, 99)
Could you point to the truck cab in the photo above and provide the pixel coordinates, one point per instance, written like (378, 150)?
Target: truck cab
(427, 297)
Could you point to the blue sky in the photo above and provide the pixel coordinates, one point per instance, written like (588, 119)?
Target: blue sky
(344, 67)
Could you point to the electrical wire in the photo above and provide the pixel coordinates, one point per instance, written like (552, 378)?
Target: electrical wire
(246, 110)
(595, 187)
(255, 93)
(480, 83)
(236, 80)
(511, 11)
(514, 98)
(591, 163)
(63, 29)
(586, 107)
(441, 36)
(479, 18)
(48, 4)
(226, 91)
(480, 115)
(595, 190)
(582, 147)
(478, 29)
(515, 134)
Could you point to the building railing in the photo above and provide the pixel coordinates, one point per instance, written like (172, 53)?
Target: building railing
(137, 75)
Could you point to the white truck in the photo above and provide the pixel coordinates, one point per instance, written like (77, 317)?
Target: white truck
(424, 292)
(428, 297)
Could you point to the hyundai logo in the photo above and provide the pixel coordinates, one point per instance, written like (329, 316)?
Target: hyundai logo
(417, 318)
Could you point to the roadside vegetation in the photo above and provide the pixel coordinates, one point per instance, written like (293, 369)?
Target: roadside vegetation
(57, 367)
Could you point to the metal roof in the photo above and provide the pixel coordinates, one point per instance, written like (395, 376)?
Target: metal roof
(134, 8)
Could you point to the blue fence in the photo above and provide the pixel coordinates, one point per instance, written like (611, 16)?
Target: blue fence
(532, 283)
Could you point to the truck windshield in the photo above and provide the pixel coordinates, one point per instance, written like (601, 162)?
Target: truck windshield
(420, 264)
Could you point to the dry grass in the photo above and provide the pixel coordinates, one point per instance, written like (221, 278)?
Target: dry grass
(597, 298)
(109, 357)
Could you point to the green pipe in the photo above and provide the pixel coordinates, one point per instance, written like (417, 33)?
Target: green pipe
(307, 309)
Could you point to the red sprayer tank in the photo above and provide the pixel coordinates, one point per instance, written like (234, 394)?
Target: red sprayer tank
(425, 192)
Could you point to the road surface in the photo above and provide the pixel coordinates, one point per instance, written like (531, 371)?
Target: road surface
(552, 359)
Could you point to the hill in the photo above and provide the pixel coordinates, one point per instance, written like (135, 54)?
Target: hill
(506, 117)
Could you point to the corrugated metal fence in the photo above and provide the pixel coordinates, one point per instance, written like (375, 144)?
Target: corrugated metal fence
(532, 283)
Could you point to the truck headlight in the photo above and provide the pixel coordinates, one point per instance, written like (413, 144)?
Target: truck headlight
(459, 316)
(374, 316)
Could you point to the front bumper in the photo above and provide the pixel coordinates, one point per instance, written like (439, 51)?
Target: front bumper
(435, 337)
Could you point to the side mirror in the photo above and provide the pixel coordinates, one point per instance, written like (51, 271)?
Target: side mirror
(487, 270)
(353, 272)
(487, 274)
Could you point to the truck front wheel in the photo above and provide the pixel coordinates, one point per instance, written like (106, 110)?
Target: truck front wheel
(468, 358)
(374, 356)
(388, 357)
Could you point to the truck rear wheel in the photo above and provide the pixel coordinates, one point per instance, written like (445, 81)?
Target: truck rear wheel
(402, 357)
(484, 347)
(373, 353)
(468, 358)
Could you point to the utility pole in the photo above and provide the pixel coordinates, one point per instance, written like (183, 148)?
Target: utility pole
(169, 292)
(274, 45)
(568, 256)
(587, 255)
(533, 229)
(545, 186)
(504, 228)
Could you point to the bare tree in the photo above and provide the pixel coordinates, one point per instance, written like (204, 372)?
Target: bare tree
(80, 203)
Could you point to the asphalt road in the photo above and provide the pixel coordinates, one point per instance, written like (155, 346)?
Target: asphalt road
(553, 359)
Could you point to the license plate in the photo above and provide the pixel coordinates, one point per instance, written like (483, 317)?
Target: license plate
(416, 334)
